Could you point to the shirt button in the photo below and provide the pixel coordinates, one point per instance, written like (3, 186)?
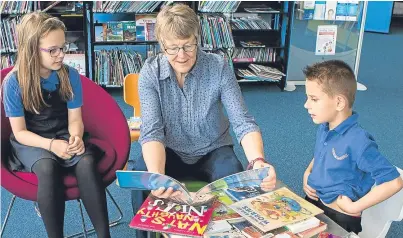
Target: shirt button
(325, 143)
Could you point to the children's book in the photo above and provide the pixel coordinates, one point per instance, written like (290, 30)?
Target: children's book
(142, 180)
(275, 209)
(129, 30)
(164, 215)
(145, 27)
(244, 192)
(248, 230)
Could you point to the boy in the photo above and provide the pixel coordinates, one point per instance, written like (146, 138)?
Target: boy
(346, 160)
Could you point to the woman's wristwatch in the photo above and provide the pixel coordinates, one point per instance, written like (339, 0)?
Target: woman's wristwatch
(252, 163)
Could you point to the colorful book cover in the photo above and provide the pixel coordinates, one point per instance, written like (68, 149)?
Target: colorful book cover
(163, 215)
(275, 209)
(247, 229)
(115, 31)
(143, 180)
(141, 29)
(129, 30)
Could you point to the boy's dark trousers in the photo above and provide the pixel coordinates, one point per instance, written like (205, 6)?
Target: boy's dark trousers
(349, 223)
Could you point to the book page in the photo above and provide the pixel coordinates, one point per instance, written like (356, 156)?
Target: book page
(246, 178)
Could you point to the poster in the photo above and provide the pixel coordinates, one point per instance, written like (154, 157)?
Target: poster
(76, 61)
(352, 11)
(326, 40)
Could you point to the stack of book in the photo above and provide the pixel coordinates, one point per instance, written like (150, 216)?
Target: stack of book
(260, 73)
(249, 23)
(125, 6)
(111, 66)
(215, 32)
(232, 207)
(218, 6)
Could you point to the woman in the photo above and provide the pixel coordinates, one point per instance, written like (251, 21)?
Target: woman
(183, 91)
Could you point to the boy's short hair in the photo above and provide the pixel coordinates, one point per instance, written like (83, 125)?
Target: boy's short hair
(335, 77)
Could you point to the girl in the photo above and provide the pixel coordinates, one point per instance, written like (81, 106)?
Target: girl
(42, 98)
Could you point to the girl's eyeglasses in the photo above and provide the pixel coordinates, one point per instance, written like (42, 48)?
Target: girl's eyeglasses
(54, 52)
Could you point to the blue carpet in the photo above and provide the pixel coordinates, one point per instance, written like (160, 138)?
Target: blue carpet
(288, 133)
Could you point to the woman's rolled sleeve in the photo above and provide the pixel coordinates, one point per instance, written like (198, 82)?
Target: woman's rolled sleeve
(152, 128)
(231, 96)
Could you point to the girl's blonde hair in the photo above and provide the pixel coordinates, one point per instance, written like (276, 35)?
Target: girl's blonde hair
(32, 28)
(179, 21)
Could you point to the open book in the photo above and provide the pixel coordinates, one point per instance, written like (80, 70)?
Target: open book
(142, 180)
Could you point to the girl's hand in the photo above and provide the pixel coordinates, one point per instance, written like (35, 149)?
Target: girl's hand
(59, 148)
(76, 146)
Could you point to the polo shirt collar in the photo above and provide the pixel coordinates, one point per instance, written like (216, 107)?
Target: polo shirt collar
(346, 124)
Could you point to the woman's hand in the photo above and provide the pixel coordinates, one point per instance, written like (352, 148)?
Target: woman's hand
(166, 193)
(59, 148)
(269, 183)
(76, 146)
(310, 192)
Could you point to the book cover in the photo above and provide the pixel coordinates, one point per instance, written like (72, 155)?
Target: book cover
(129, 30)
(115, 31)
(164, 215)
(248, 230)
(141, 28)
(143, 180)
(275, 209)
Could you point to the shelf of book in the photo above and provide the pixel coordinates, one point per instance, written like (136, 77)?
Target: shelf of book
(125, 42)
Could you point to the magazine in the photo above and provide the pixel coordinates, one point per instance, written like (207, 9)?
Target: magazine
(143, 180)
(163, 215)
(275, 209)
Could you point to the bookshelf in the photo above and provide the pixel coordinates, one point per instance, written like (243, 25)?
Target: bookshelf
(272, 49)
(71, 13)
(275, 39)
(106, 51)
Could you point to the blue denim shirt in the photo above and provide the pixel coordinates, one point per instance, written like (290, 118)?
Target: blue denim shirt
(12, 97)
(191, 120)
(347, 162)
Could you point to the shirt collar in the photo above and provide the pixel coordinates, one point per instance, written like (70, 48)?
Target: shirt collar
(346, 124)
(166, 68)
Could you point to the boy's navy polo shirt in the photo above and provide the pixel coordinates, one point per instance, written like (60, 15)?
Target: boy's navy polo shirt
(347, 162)
(12, 98)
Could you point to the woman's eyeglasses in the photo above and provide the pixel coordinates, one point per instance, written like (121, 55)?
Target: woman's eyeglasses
(175, 50)
(54, 52)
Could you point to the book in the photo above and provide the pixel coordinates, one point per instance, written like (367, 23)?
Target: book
(275, 209)
(164, 215)
(143, 180)
(303, 225)
(114, 31)
(313, 231)
(248, 230)
(145, 24)
(129, 30)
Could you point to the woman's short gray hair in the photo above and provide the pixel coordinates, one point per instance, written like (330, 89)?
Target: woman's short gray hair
(177, 21)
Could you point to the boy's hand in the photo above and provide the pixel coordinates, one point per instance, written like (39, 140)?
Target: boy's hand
(269, 183)
(347, 205)
(76, 146)
(59, 148)
(310, 192)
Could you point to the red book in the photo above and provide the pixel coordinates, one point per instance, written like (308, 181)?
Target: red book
(162, 215)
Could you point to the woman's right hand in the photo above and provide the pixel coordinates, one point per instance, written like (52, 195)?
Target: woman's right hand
(59, 148)
(310, 192)
(166, 193)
